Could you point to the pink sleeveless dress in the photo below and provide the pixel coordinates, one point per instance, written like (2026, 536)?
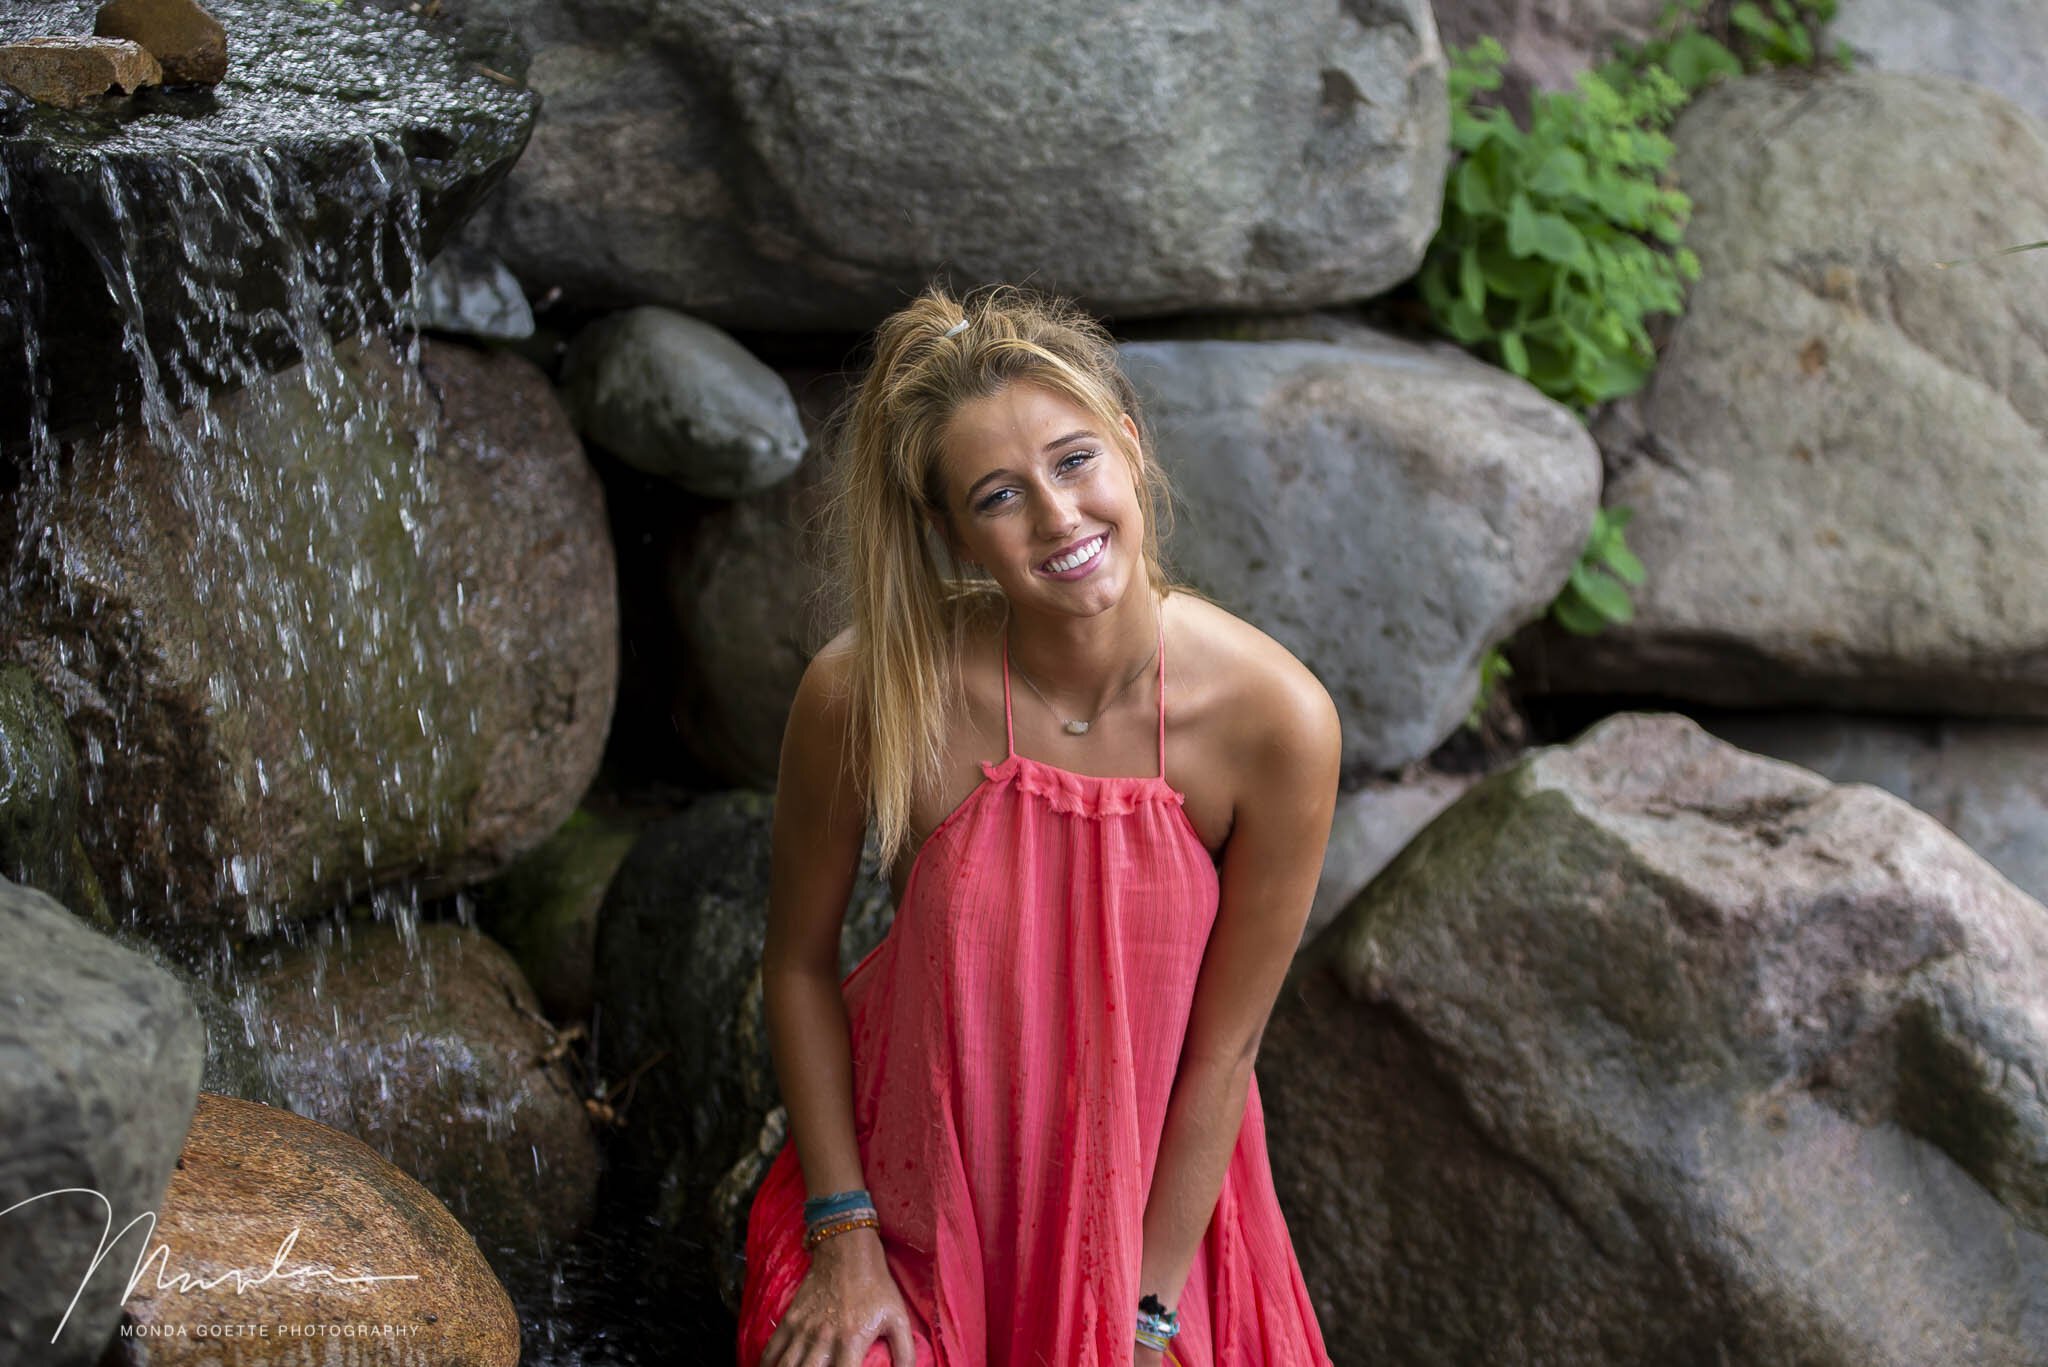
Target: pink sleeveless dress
(1015, 1038)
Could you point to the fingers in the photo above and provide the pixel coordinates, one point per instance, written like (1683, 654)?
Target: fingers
(901, 1353)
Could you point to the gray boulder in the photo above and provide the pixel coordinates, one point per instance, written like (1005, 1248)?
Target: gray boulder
(368, 660)
(681, 399)
(1999, 44)
(792, 166)
(1386, 511)
(1652, 1051)
(1840, 466)
(102, 1054)
(1985, 780)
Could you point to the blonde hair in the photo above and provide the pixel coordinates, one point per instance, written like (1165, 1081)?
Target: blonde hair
(908, 615)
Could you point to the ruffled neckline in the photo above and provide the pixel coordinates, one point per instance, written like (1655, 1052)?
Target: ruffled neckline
(1094, 795)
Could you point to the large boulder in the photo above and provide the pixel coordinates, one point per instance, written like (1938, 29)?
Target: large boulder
(363, 630)
(679, 992)
(192, 243)
(1839, 469)
(258, 1189)
(1386, 511)
(431, 1049)
(1985, 780)
(803, 166)
(101, 1055)
(1999, 44)
(1372, 825)
(1653, 1051)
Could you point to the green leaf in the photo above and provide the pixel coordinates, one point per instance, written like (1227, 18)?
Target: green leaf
(1472, 190)
(1471, 280)
(1514, 277)
(1623, 562)
(1602, 593)
(1534, 232)
(1513, 354)
(1561, 174)
(1574, 616)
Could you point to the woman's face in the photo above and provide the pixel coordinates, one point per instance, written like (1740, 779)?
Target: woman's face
(1043, 498)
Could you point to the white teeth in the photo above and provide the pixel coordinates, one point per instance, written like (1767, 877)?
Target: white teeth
(1080, 557)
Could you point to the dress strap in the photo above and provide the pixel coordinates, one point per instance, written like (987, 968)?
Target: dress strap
(1009, 725)
(1162, 690)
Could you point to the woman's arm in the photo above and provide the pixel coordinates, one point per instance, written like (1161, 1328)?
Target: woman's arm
(1289, 765)
(819, 823)
(848, 1299)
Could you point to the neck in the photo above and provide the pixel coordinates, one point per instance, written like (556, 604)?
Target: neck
(1084, 661)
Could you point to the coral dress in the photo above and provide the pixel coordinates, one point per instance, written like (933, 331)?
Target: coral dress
(1015, 1038)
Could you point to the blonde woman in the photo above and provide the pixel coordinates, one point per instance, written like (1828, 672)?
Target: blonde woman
(1027, 1124)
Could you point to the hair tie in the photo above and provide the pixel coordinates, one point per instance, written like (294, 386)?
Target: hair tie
(956, 329)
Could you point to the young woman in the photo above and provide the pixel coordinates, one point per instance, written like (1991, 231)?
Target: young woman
(1028, 1122)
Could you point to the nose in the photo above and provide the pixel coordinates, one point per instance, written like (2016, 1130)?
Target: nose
(1057, 515)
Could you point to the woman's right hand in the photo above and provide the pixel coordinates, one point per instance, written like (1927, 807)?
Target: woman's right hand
(845, 1303)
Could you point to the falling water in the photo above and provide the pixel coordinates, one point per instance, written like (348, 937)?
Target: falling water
(225, 544)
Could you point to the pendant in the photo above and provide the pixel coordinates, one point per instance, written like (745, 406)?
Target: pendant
(1077, 728)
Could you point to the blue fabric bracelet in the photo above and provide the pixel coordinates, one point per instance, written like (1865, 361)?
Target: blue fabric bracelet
(837, 1204)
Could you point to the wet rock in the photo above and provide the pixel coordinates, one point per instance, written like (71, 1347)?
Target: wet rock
(470, 293)
(102, 1054)
(39, 797)
(258, 1188)
(294, 201)
(1985, 780)
(1386, 511)
(1999, 44)
(72, 73)
(1649, 1050)
(679, 992)
(679, 398)
(186, 41)
(435, 1054)
(367, 661)
(544, 909)
(1840, 468)
(809, 167)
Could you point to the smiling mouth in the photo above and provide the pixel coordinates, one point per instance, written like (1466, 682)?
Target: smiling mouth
(1079, 556)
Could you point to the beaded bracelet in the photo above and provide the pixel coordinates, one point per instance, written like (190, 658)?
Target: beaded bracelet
(1157, 1325)
(818, 1234)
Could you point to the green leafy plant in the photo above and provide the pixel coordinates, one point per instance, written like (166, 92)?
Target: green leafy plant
(1548, 257)
(1596, 595)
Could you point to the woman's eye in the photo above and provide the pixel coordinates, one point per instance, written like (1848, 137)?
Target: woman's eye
(994, 500)
(1078, 455)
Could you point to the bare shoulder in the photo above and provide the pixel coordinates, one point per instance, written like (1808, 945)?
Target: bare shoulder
(1264, 703)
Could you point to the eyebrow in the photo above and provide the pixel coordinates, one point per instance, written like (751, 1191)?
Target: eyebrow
(1053, 445)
